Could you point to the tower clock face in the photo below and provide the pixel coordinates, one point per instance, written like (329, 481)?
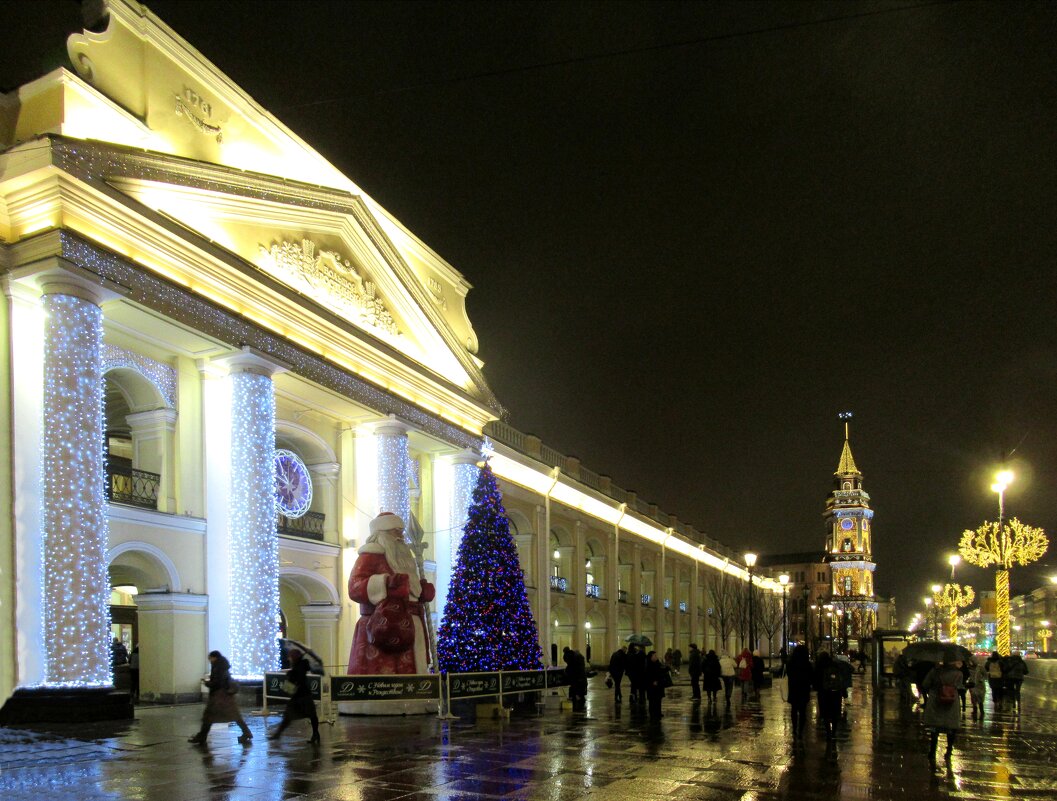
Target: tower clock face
(293, 485)
(847, 524)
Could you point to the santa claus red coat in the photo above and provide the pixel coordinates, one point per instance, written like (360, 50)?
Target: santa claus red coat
(386, 568)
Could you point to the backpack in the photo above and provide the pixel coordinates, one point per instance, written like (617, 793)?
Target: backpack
(832, 681)
(947, 695)
(994, 670)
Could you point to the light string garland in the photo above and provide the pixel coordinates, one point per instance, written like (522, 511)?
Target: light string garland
(463, 483)
(162, 376)
(74, 529)
(254, 555)
(393, 474)
(488, 623)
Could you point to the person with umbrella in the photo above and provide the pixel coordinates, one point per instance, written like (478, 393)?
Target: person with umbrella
(943, 711)
(636, 668)
(300, 704)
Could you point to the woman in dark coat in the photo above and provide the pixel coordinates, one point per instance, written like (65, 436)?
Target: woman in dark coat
(943, 714)
(712, 676)
(657, 678)
(636, 669)
(800, 676)
(300, 704)
(757, 674)
(829, 684)
(221, 707)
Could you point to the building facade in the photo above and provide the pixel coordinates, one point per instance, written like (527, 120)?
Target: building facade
(205, 323)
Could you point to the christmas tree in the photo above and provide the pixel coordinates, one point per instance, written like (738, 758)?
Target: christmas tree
(487, 621)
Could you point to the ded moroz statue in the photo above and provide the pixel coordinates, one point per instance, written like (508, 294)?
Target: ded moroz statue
(390, 635)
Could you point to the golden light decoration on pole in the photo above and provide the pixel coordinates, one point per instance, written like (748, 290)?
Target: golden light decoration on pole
(1002, 545)
(953, 597)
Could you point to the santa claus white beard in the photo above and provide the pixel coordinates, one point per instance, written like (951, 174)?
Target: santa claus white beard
(401, 560)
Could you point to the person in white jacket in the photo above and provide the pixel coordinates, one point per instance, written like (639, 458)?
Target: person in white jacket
(727, 670)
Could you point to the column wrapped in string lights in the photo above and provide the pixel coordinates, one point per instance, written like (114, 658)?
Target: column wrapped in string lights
(393, 473)
(74, 531)
(254, 554)
(464, 479)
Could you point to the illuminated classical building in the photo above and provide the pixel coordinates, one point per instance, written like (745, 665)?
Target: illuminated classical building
(848, 519)
(203, 320)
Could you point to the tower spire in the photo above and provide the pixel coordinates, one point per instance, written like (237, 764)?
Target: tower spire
(847, 461)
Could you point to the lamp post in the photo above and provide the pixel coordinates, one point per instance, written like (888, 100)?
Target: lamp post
(818, 639)
(1044, 634)
(953, 560)
(928, 611)
(784, 581)
(750, 562)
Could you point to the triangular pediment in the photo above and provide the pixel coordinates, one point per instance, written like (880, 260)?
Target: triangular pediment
(333, 260)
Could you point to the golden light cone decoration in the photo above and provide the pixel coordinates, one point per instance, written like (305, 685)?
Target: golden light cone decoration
(1044, 635)
(952, 598)
(991, 545)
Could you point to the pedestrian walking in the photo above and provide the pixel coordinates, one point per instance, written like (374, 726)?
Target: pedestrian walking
(977, 688)
(728, 672)
(799, 676)
(757, 674)
(221, 706)
(942, 711)
(658, 678)
(995, 679)
(636, 670)
(617, 666)
(745, 672)
(712, 676)
(1014, 669)
(300, 703)
(677, 659)
(133, 672)
(576, 673)
(829, 686)
(694, 667)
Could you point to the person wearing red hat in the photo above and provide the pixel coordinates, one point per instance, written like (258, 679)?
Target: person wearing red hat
(390, 636)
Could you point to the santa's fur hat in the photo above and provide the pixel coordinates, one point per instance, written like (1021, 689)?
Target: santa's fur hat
(386, 521)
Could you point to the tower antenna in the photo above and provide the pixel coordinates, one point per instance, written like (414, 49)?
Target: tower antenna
(845, 416)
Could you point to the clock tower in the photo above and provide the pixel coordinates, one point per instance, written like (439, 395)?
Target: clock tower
(849, 535)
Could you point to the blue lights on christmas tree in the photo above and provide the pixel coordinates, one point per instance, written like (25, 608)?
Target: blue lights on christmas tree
(487, 623)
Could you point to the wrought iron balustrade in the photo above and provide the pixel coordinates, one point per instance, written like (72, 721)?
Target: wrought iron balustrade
(646, 598)
(132, 487)
(309, 526)
(594, 591)
(559, 583)
(683, 607)
(667, 603)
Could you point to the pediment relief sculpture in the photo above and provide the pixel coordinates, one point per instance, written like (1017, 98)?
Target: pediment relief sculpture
(327, 278)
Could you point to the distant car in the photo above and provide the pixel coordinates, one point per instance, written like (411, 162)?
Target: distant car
(1031, 655)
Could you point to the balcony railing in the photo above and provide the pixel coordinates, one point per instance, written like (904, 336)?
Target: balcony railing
(559, 583)
(646, 598)
(683, 607)
(132, 487)
(309, 526)
(622, 596)
(594, 591)
(667, 603)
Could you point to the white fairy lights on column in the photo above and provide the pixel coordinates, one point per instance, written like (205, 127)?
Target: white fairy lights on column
(254, 564)
(463, 483)
(74, 531)
(393, 474)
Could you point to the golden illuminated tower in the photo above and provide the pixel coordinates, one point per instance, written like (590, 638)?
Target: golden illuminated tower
(849, 535)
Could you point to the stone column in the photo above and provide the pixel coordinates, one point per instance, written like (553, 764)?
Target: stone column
(578, 580)
(253, 558)
(393, 479)
(152, 443)
(325, 478)
(612, 587)
(635, 591)
(74, 529)
(543, 582)
(692, 608)
(464, 472)
(172, 637)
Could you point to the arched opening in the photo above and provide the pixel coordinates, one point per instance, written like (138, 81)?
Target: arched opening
(139, 428)
(308, 475)
(136, 569)
(561, 556)
(595, 638)
(563, 633)
(308, 609)
(524, 537)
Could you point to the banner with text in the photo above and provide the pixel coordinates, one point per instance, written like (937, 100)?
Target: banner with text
(411, 687)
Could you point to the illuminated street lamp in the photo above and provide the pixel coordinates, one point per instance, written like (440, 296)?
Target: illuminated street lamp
(750, 562)
(928, 610)
(1002, 545)
(954, 560)
(953, 597)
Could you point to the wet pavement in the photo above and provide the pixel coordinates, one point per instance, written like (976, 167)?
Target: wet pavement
(609, 753)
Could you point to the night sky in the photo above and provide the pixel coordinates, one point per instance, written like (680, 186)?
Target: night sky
(698, 232)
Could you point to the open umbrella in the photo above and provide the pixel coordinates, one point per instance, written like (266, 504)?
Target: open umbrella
(315, 663)
(638, 639)
(933, 651)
